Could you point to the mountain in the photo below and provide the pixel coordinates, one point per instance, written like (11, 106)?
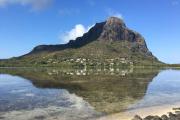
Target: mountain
(110, 42)
(112, 30)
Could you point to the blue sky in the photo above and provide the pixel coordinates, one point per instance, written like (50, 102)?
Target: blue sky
(27, 23)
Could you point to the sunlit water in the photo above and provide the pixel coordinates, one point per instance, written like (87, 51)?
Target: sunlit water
(18, 94)
(164, 89)
(50, 94)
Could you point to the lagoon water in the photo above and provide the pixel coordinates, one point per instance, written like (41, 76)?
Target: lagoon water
(55, 94)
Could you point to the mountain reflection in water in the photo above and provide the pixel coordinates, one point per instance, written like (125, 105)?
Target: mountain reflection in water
(106, 90)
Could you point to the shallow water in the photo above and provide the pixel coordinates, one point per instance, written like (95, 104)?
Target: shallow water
(164, 89)
(51, 93)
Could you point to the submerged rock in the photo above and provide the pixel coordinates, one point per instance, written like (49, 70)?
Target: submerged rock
(152, 118)
(137, 117)
(164, 117)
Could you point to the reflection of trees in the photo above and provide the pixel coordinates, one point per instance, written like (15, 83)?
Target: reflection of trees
(105, 91)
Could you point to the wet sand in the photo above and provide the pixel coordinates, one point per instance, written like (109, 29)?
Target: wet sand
(143, 112)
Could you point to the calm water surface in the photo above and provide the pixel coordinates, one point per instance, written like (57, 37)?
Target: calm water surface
(28, 94)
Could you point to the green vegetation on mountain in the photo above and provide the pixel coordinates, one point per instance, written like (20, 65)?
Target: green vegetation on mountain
(109, 43)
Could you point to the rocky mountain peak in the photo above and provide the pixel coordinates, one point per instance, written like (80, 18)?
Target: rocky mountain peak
(113, 29)
(116, 30)
(111, 21)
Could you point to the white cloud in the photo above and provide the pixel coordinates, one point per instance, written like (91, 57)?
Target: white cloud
(114, 13)
(35, 4)
(77, 31)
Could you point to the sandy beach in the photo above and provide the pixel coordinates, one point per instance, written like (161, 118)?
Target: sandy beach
(143, 112)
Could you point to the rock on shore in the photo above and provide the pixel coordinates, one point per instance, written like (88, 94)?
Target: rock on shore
(170, 116)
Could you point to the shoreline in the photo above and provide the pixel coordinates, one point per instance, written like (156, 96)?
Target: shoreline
(153, 111)
(142, 112)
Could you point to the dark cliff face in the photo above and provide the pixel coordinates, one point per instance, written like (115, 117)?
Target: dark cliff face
(114, 29)
(92, 35)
